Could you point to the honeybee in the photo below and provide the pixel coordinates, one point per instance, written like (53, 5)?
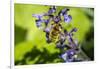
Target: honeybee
(55, 32)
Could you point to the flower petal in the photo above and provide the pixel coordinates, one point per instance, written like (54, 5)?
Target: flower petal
(70, 52)
(39, 16)
(73, 30)
(38, 23)
(47, 30)
(63, 12)
(64, 56)
(46, 21)
(51, 10)
(68, 55)
(67, 18)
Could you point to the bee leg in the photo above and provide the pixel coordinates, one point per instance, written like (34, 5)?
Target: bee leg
(62, 41)
(47, 37)
(59, 44)
(48, 41)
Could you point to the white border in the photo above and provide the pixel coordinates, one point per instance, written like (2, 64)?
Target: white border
(4, 34)
(75, 65)
(12, 34)
(76, 3)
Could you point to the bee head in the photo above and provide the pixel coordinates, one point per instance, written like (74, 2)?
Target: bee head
(56, 19)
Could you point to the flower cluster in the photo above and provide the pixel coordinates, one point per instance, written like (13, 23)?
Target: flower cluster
(70, 49)
(56, 19)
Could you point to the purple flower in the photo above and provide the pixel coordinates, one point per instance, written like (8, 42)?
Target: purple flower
(39, 20)
(70, 52)
(38, 23)
(39, 16)
(68, 55)
(46, 21)
(51, 10)
(67, 18)
(63, 12)
(47, 29)
(73, 30)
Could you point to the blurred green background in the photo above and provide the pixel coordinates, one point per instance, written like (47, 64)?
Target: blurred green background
(30, 42)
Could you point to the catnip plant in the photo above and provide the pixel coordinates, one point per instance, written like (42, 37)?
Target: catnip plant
(51, 23)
